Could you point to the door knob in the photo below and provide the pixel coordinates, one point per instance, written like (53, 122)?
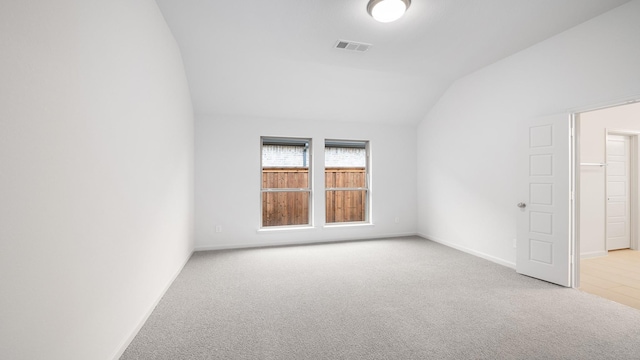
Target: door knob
(522, 205)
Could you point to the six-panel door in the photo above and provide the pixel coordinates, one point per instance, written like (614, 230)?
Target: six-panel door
(543, 244)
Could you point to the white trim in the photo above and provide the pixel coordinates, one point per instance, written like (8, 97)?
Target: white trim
(368, 178)
(269, 229)
(574, 188)
(576, 256)
(470, 251)
(347, 224)
(125, 344)
(622, 132)
(311, 184)
(593, 254)
(293, 243)
(606, 104)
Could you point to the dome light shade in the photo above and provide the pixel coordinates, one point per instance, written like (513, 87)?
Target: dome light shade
(387, 10)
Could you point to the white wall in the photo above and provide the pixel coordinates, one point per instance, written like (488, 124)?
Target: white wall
(593, 130)
(96, 163)
(467, 191)
(228, 180)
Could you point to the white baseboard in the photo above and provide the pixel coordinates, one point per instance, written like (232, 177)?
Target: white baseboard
(470, 251)
(593, 254)
(144, 318)
(285, 243)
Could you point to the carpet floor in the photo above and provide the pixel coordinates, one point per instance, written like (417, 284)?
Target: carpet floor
(402, 298)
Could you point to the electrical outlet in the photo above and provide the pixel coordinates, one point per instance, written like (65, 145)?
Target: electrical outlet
(397, 219)
(218, 228)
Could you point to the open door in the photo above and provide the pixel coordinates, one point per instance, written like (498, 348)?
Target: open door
(544, 237)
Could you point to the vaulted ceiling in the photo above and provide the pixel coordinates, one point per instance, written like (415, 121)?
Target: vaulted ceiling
(277, 58)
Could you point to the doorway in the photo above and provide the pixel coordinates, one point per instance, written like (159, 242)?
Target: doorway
(607, 216)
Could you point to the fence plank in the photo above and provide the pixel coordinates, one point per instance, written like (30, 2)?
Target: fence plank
(345, 206)
(292, 208)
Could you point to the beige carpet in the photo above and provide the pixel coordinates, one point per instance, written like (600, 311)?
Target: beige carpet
(405, 298)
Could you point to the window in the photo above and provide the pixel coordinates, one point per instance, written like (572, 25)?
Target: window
(346, 173)
(286, 181)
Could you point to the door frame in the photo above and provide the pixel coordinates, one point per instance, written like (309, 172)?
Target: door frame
(574, 123)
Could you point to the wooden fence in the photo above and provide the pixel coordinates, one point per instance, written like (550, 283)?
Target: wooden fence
(292, 208)
(345, 205)
(285, 208)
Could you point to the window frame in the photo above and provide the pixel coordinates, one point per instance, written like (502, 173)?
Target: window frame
(287, 140)
(367, 181)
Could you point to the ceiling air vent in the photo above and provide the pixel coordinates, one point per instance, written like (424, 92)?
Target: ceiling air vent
(352, 45)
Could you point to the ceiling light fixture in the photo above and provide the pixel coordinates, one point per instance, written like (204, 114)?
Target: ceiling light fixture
(387, 10)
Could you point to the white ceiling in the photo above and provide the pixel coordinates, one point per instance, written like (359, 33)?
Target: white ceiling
(276, 58)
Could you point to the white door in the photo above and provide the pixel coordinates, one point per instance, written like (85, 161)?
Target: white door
(618, 190)
(543, 243)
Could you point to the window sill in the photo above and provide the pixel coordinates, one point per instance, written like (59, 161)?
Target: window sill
(344, 225)
(285, 228)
